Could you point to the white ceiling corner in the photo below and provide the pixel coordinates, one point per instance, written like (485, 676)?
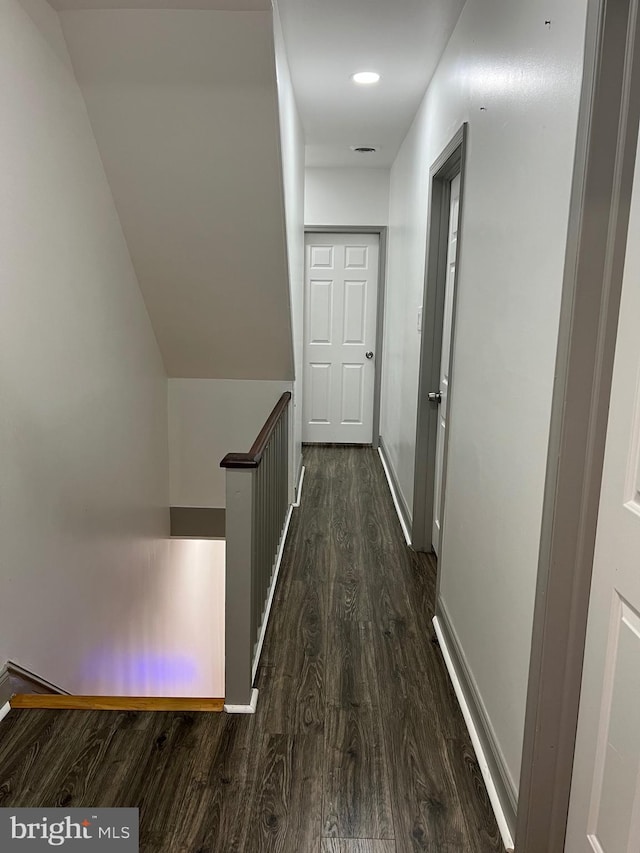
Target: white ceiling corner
(328, 40)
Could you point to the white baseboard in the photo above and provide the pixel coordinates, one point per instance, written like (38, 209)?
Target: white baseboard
(250, 709)
(299, 489)
(396, 502)
(20, 672)
(244, 709)
(272, 590)
(4, 710)
(492, 791)
(6, 688)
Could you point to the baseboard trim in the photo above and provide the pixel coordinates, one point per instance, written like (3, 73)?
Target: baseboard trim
(16, 679)
(503, 801)
(299, 487)
(398, 500)
(114, 703)
(272, 592)
(244, 709)
(6, 690)
(4, 710)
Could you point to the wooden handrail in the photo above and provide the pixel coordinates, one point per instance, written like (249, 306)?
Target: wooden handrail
(254, 456)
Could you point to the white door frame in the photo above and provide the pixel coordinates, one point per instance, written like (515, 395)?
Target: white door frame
(450, 163)
(381, 231)
(594, 264)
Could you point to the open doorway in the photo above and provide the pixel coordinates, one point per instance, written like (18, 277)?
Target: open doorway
(438, 327)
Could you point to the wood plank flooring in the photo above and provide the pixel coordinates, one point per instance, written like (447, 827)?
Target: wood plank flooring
(357, 746)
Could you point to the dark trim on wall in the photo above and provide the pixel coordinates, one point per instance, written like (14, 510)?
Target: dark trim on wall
(594, 266)
(382, 283)
(448, 165)
(197, 522)
(381, 231)
(505, 789)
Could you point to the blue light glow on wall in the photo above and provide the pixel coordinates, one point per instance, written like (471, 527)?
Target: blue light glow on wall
(154, 671)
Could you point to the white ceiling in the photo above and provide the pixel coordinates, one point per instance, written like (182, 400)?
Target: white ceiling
(328, 40)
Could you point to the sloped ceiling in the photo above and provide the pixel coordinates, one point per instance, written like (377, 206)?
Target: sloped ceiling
(220, 5)
(184, 108)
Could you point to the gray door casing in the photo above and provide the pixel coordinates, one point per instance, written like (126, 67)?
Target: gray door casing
(450, 163)
(381, 231)
(596, 244)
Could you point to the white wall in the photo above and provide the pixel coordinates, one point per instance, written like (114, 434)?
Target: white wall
(342, 196)
(516, 81)
(292, 149)
(209, 418)
(184, 107)
(94, 596)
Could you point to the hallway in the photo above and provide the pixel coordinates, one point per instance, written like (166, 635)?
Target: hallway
(357, 734)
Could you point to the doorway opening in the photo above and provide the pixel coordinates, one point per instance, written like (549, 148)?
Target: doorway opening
(436, 347)
(343, 330)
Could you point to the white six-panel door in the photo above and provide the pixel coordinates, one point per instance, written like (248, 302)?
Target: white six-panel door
(341, 293)
(604, 814)
(443, 406)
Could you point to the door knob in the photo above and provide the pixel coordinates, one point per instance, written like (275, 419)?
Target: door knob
(434, 397)
(369, 354)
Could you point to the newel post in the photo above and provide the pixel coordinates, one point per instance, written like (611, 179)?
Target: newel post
(239, 592)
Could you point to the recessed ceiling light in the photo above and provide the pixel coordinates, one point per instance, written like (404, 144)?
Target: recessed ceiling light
(365, 78)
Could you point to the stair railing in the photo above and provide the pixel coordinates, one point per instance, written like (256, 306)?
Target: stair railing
(257, 507)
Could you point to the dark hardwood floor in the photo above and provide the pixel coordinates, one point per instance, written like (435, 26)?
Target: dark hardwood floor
(358, 744)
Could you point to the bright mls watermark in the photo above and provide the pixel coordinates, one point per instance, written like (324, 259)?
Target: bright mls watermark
(114, 830)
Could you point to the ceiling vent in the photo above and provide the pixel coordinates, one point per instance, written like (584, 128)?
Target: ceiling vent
(363, 149)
